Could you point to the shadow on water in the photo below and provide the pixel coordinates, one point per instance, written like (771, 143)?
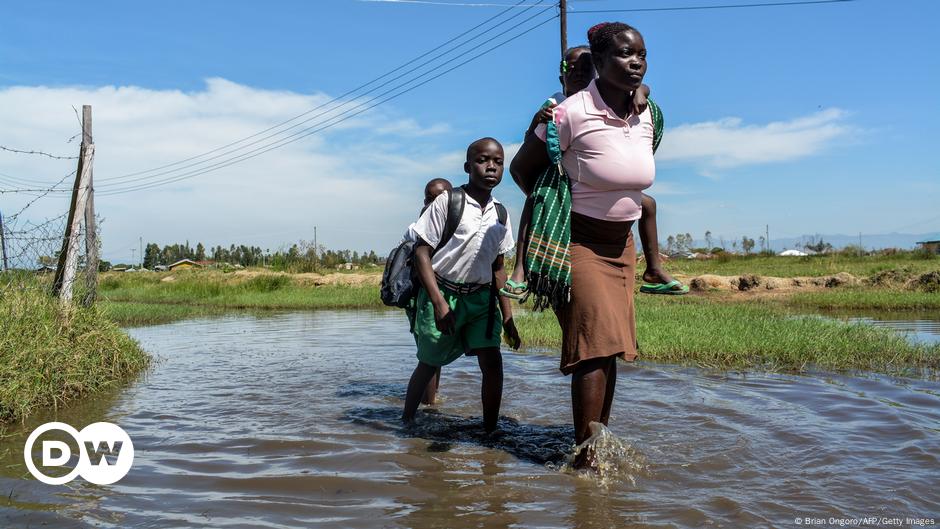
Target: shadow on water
(535, 443)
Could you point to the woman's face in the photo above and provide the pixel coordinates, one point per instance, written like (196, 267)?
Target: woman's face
(580, 71)
(624, 63)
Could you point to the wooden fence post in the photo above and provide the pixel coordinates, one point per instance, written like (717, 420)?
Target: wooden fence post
(68, 256)
(91, 234)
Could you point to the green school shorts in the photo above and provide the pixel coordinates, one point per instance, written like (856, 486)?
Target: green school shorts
(471, 311)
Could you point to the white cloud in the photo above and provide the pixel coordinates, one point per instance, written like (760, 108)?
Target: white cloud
(729, 143)
(357, 182)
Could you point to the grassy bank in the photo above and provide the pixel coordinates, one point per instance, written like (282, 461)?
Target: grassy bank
(46, 360)
(814, 265)
(216, 290)
(695, 330)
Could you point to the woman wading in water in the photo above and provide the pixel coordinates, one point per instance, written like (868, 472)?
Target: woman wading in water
(608, 157)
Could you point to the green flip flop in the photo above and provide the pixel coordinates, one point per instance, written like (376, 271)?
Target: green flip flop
(513, 290)
(668, 289)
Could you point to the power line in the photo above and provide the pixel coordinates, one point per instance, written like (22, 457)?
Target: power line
(40, 153)
(696, 8)
(407, 74)
(336, 119)
(337, 98)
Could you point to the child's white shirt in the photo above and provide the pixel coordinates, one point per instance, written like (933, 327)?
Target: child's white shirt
(468, 256)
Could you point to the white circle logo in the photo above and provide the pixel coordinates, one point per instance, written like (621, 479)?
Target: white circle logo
(106, 453)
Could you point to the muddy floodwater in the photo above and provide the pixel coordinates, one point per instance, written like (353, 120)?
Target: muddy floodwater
(291, 420)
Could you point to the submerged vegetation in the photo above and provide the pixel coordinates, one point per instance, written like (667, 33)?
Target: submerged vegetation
(48, 358)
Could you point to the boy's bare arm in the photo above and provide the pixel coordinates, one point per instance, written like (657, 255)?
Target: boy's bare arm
(509, 325)
(443, 316)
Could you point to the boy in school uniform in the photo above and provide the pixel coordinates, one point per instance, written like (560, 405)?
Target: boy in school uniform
(457, 309)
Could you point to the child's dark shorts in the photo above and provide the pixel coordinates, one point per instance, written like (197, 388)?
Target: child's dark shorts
(471, 312)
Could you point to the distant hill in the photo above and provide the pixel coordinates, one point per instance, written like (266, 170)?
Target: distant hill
(869, 242)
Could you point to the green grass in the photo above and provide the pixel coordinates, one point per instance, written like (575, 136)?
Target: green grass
(216, 290)
(882, 299)
(757, 336)
(812, 266)
(47, 359)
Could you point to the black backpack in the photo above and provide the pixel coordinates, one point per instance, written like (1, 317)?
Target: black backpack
(399, 280)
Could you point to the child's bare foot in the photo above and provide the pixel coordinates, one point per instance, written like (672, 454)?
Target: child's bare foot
(657, 281)
(656, 276)
(513, 289)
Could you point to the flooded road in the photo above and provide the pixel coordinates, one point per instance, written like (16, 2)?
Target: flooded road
(292, 421)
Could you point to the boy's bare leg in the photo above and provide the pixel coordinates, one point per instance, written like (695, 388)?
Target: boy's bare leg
(649, 239)
(522, 242)
(416, 386)
(491, 366)
(430, 392)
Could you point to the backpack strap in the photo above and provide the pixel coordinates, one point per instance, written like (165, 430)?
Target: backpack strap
(501, 214)
(455, 205)
(657, 114)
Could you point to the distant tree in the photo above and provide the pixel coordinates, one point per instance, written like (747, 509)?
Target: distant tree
(104, 266)
(819, 247)
(763, 243)
(747, 244)
(152, 255)
(708, 239)
(200, 252)
(670, 244)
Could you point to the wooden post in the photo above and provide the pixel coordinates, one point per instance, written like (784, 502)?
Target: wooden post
(3, 245)
(563, 18)
(91, 234)
(68, 255)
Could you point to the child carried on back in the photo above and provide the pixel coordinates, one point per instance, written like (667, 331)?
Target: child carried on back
(457, 309)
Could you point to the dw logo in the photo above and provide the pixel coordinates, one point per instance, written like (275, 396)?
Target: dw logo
(106, 453)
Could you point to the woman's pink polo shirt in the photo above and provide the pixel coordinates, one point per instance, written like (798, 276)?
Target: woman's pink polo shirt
(608, 159)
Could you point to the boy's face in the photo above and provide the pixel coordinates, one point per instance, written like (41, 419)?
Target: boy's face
(580, 71)
(485, 165)
(432, 191)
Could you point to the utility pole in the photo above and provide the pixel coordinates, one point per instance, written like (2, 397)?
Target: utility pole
(91, 234)
(859, 244)
(142, 252)
(3, 244)
(767, 236)
(68, 256)
(133, 256)
(563, 19)
(316, 249)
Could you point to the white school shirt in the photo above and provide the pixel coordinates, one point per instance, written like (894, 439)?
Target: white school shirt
(468, 256)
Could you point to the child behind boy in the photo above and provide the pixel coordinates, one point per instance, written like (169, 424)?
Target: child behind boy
(577, 72)
(432, 190)
(456, 309)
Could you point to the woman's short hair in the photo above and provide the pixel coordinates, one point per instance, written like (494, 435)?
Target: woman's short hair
(602, 35)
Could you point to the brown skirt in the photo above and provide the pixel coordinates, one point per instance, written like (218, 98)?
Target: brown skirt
(599, 320)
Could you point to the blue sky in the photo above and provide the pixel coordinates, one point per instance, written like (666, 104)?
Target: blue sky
(813, 119)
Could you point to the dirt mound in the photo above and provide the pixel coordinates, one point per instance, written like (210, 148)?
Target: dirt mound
(710, 282)
(892, 277)
(929, 282)
(752, 282)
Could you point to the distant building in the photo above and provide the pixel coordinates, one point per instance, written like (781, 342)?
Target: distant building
(160, 268)
(793, 253)
(183, 264)
(930, 246)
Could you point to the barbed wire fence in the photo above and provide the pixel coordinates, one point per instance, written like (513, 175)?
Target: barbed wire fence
(52, 255)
